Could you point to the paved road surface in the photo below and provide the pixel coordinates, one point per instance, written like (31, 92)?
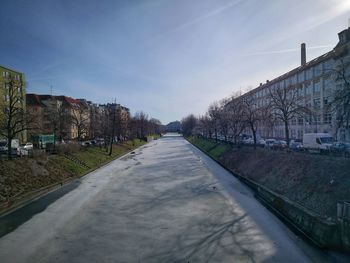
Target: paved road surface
(166, 203)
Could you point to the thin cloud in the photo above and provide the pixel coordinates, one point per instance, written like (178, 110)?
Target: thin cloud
(198, 19)
(205, 16)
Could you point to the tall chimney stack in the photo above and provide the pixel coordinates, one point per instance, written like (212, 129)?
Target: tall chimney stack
(303, 54)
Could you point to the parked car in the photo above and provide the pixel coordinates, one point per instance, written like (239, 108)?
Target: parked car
(261, 142)
(296, 145)
(3, 146)
(14, 146)
(279, 145)
(269, 143)
(340, 147)
(85, 143)
(100, 141)
(21, 151)
(28, 146)
(248, 141)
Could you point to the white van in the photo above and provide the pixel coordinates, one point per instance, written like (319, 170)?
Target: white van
(317, 141)
(14, 146)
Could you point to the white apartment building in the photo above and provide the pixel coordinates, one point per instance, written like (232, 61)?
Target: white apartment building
(316, 82)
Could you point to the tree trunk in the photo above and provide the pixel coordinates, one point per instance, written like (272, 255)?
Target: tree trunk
(254, 137)
(286, 128)
(9, 149)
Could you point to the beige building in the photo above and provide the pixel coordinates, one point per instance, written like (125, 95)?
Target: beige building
(63, 116)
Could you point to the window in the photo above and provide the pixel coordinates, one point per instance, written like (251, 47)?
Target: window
(325, 100)
(338, 86)
(293, 133)
(317, 119)
(280, 84)
(300, 121)
(318, 70)
(309, 74)
(301, 76)
(317, 87)
(300, 91)
(294, 121)
(308, 89)
(317, 103)
(327, 66)
(327, 84)
(327, 118)
(300, 134)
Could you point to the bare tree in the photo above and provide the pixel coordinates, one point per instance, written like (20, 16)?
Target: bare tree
(80, 118)
(205, 126)
(188, 124)
(141, 124)
(286, 104)
(155, 126)
(214, 114)
(224, 118)
(237, 124)
(251, 114)
(13, 120)
(340, 104)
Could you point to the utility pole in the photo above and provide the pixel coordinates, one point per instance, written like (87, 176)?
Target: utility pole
(113, 127)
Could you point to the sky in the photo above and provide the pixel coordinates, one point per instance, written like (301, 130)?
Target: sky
(167, 58)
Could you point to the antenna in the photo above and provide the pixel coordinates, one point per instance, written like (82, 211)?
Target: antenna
(51, 89)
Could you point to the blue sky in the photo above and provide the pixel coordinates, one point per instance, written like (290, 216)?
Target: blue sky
(167, 58)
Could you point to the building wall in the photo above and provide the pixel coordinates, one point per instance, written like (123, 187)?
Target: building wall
(316, 83)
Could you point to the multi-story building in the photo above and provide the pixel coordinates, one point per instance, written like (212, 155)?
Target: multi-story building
(71, 119)
(122, 117)
(63, 116)
(316, 83)
(12, 89)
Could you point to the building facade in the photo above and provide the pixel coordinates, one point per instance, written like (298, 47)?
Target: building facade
(316, 84)
(12, 90)
(71, 119)
(63, 116)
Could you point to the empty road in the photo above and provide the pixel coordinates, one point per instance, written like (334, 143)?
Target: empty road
(166, 202)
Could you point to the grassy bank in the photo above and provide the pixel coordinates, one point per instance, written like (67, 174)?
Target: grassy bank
(22, 176)
(316, 182)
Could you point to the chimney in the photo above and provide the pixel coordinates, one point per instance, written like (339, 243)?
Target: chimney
(303, 54)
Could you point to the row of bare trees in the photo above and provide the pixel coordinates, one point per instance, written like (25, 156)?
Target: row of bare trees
(232, 116)
(108, 123)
